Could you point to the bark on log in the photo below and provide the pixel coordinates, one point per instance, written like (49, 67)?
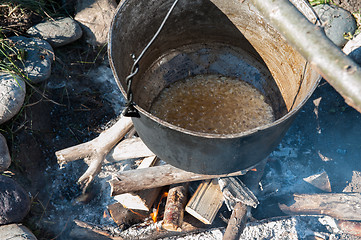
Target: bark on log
(237, 222)
(174, 207)
(312, 43)
(96, 149)
(353, 228)
(344, 206)
(158, 176)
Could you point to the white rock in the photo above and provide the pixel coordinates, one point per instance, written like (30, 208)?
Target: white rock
(5, 159)
(12, 95)
(95, 17)
(16, 232)
(353, 49)
(39, 56)
(58, 32)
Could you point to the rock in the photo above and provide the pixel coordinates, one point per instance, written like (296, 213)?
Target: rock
(5, 159)
(14, 201)
(353, 49)
(16, 232)
(337, 21)
(12, 95)
(95, 17)
(39, 56)
(58, 32)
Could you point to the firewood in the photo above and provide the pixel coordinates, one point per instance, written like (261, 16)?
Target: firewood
(344, 206)
(96, 149)
(174, 207)
(128, 149)
(237, 222)
(206, 201)
(158, 176)
(353, 228)
(83, 230)
(245, 199)
(126, 217)
(234, 190)
(140, 200)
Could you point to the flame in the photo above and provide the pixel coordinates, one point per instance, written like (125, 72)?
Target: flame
(105, 214)
(154, 215)
(254, 169)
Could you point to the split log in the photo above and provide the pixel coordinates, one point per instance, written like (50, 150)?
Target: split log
(96, 149)
(344, 206)
(126, 217)
(144, 199)
(206, 201)
(174, 207)
(128, 149)
(158, 176)
(234, 191)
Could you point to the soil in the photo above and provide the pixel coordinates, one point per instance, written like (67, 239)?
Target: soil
(71, 108)
(350, 5)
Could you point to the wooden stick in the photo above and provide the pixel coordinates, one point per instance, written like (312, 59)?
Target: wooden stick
(206, 201)
(140, 200)
(237, 222)
(128, 149)
(84, 230)
(95, 150)
(158, 176)
(174, 207)
(239, 215)
(344, 206)
(350, 227)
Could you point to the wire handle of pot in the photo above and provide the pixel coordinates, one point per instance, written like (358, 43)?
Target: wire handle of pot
(130, 110)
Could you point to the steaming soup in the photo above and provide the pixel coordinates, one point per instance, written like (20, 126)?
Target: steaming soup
(212, 104)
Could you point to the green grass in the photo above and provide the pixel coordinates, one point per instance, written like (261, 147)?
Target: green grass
(317, 2)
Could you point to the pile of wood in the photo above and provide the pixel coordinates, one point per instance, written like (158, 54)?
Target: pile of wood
(138, 191)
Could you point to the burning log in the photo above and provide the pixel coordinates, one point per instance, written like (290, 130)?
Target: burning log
(123, 216)
(140, 200)
(95, 150)
(128, 149)
(206, 201)
(174, 207)
(344, 206)
(158, 176)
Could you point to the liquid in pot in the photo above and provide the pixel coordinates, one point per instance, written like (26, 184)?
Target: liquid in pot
(212, 104)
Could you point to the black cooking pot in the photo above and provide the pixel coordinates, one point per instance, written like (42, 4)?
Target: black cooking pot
(223, 37)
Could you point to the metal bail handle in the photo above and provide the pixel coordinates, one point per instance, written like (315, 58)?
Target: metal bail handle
(130, 110)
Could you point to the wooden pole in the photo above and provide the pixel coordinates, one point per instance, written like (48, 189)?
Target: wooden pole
(313, 44)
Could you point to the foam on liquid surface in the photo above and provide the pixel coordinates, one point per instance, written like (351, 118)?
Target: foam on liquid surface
(212, 104)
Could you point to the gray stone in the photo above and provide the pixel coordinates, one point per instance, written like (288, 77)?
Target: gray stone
(5, 159)
(12, 95)
(39, 56)
(14, 201)
(337, 21)
(58, 32)
(16, 232)
(95, 17)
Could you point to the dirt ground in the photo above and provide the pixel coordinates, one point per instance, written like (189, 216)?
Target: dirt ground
(72, 109)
